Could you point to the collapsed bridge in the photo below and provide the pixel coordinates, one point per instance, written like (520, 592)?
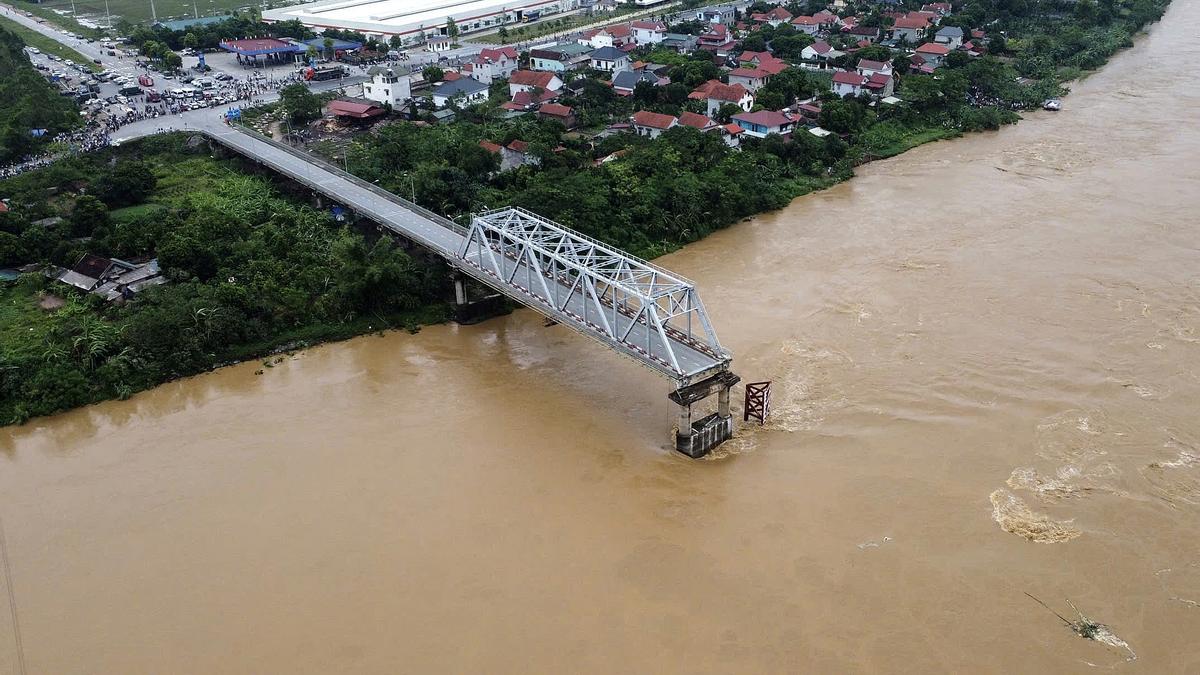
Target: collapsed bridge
(633, 307)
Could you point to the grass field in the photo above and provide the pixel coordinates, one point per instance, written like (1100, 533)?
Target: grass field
(55, 18)
(138, 11)
(47, 45)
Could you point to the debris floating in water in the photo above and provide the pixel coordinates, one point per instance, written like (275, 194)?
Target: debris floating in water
(1089, 629)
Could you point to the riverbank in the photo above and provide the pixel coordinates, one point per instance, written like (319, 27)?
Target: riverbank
(246, 269)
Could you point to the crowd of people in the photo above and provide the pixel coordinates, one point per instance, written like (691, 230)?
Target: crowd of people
(100, 124)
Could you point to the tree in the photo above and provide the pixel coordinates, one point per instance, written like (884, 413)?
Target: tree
(88, 214)
(190, 40)
(433, 74)
(502, 33)
(395, 42)
(300, 103)
(172, 61)
(451, 29)
(328, 44)
(128, 183)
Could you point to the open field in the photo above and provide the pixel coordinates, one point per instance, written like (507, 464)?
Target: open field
(139, 11)
(47, 44)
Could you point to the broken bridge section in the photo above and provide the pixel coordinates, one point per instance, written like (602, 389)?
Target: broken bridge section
(638, 309)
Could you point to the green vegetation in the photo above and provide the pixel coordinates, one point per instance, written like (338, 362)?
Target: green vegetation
(138, 11)
(64, 21)
(250, 271)
(47, 44)
(30, 102)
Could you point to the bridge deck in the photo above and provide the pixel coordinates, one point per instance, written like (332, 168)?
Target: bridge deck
(446, 238)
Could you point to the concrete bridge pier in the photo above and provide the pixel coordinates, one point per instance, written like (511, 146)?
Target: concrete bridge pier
(696, 438)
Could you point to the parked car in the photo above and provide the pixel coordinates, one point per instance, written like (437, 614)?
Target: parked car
(97, 61)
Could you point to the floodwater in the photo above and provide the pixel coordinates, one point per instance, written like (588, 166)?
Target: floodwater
(986, 357)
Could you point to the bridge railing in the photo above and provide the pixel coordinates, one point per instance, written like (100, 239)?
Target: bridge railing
(599, 244)
(364, 184)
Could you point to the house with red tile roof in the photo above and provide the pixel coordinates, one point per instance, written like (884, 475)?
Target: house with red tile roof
(909, 27)
(697, 121)
(806, 24)
(933, 53)
(608, 36)
(652, 124)
(716, 94)
(648, 32)
(559, 112)
(525, 80)
(491, 64)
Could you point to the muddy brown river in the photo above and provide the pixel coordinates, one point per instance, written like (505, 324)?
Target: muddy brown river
(986, 356)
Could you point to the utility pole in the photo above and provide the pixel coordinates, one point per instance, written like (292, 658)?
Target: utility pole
(153, 14)
(195, 12)
(108, 15)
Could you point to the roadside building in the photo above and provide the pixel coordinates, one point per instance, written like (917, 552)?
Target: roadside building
(385, 86)
(560, 58)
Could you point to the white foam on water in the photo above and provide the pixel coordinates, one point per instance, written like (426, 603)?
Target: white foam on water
(1014, 516)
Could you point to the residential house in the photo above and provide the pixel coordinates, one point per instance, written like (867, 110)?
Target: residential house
(806, 24)
(753, 74)
(697, 121)
(775, 17)
(355, 109)
(933, 53)
(718, 40)
(624, 82)
(869, 33)
(679, 43)
(762, 123)
(826, 19)
(492, 64)
(818, 55)
(732, 133)
(722, 14)
(517, 154)
(560, 57)
(530, 99)
(462, 91)
(385, 86)
(939, 8)
(715, 94)
(608, 36)
(951, 36)
(110, 278)
(847, 82)
(910, 28)
(868, 68)
(648, 32)
(609, 60)
(652, 124)
(854, 83)
(527, 80)
(556, 111)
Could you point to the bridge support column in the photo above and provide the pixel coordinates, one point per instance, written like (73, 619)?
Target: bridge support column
(697, 438)
(460, 291)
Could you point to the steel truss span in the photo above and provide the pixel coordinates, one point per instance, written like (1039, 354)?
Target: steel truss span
(634, 307)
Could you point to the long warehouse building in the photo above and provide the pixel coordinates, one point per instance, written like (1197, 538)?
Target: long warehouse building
(417, 21)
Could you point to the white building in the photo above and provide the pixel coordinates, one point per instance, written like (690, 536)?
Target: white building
(415, 21)
(386, 86)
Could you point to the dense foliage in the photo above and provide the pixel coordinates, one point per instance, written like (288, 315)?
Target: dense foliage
(29, 102)
(249, 269)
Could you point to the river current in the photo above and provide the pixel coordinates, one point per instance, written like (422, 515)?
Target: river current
(986, 366)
